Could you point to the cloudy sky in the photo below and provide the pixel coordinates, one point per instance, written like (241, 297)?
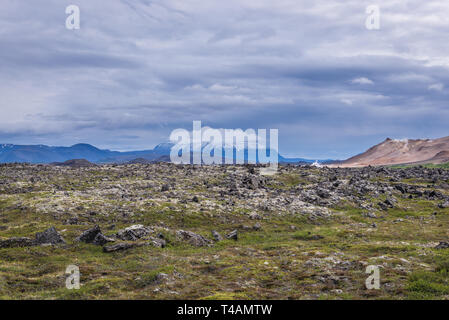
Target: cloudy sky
(137, 69)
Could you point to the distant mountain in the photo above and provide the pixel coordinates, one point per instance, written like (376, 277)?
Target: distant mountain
(404, 151)
(45, 154)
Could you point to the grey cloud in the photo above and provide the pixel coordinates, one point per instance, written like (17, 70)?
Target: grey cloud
(138, 69)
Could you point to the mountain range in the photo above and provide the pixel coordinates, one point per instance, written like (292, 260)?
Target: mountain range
(10, 153)
(388, 152)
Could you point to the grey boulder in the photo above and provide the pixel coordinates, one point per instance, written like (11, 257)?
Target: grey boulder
(192, 238)
(49, 236)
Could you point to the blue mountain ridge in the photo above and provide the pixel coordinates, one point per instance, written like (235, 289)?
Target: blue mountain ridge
(40, 154)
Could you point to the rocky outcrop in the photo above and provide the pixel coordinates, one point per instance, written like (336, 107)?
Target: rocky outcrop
(192, 238)
(216, 236)
(17, 242)
(232, 235)
(134, 233)
(121, 246)
(49, 236)
(89, 235)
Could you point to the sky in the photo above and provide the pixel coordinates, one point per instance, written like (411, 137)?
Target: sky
(135, 70)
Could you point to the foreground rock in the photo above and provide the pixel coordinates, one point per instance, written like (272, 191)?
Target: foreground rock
(16, 242)
(49, 236)
(192, 238)
(94, 236)
(232, 235)
(134, 233)
(121, 246)
(89, 235)
(101, 239)
(217, 236)
(442, 245)
(158, 242)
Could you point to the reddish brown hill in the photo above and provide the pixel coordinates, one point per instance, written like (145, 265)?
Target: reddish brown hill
(405, 151)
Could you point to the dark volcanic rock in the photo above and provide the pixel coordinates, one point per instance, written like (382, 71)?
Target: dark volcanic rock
(192, 238)
(88, 236)
(442, 245)
(383, 206)
(121, 246)
(390, 202)
(444, 205)
(216, 236)
(134, 232)
(158, 242)
(17, 242)
(323, 193)
(251, 182)
(100, 239)
(255, 216)
(49, 236)
(232, 235)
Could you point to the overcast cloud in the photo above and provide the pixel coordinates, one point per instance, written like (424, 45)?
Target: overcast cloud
(138, 69)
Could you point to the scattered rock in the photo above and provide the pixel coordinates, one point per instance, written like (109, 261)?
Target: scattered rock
(16, 242)
(49, 236)
(89, 235)
(370, 215)
(232, 235)
(158, 242)
(192, 238)
(442, 245)
(160, 277)
(216, 236)
(121, 246)
(251, 182)
(134, 232)
(444, 205)
(72, 221)
(390, 202)
(101, 239)
(255, 216)
(323, 193)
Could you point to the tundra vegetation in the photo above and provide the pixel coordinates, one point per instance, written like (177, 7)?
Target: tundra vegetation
(165, 231)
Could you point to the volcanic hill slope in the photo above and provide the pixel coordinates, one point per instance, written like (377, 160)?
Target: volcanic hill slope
(405, 151)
